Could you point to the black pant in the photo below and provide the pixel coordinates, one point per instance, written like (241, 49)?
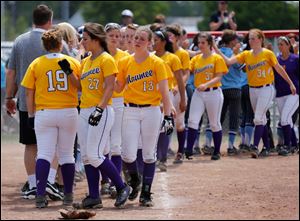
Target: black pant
(232, 100)
(247, 112)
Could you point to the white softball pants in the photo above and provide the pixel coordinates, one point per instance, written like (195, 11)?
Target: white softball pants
(213, 102)
(179, 120)
(93, 139)
(140, 122)
(287, 105)
(261, 100)
(55, 131)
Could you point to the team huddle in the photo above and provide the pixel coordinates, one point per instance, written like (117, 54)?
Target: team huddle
(131, 101)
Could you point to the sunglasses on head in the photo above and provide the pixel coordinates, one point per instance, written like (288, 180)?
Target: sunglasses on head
(110, 26)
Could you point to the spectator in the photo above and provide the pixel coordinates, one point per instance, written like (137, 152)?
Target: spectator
(127, 17)
(222, 19)
(160, 18)
(294, 42)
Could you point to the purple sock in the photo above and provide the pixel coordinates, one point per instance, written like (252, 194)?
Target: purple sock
(217, 137)
(93, 177)
(131, 167)
(109, 168)
(293, 138)
(192, 134)
(258, 132)
(181, 140)
(117, 161)
(140, 161)
(68, 172)
(265, 137)
(149, 170)
(103, 174)
(162, 147)
(42, 169)
(286, 134)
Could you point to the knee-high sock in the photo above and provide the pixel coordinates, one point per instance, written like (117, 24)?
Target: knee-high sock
(140, 161)
(242, 132)
(248, 134)
(93, 177)
(192, 134)
(293, 138)
(258, 133)
(149, 170)
(104, 177)
(231, 139)
(280, 136)
(181, 140)
(286, 134)
(265, 137)
(208, 137)
(109, 168)
(68, 172)
(217, 136)
(162, 147)
(41, 172)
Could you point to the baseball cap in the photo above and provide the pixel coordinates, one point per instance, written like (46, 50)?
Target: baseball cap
(127, 12)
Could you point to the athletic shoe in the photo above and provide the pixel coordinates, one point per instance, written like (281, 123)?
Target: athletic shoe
(279, 147)
(178, 158)
(284, 151)
(89, 203)
(294, 149)
(105, 188)
(232, 151)
(216, 156)
(30, 194)
(41, 202)
(25, 188)
(208, 150)
(170, 153)
(122, 196)
(135, 184)
(254, 151)
(146, 199)
(113, 192)
(264, 152)
(162, 166)
(197, 151)
(53, 192)
(68, 199)
(188, 155)
(243, 148)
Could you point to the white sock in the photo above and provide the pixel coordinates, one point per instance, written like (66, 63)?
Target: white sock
(32, 181)
(52, 175)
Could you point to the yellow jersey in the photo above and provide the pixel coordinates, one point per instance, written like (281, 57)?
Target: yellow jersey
(173, 64)
(93, 73)
(118, 56)
(141, 79)
(204, 69)
(184, 57)
(258, 67)
(53, 88)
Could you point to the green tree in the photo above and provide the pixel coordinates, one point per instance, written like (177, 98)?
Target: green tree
(110, 11)
(257, 14)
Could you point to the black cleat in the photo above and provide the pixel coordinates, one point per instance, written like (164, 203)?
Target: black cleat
(135, 184)
(254, 151)
(89, 203)
(122, 196)
(41, 202)
(232, 151)
(216, 156)
(264, 152)
(284, 151)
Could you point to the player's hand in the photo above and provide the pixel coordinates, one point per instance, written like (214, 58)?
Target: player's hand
(65, 66)
(175, 90)
(182, 105)
(168, 124)
(11, 106)
(95, 117)
(202, 87)
(293, 89)
(30, 122)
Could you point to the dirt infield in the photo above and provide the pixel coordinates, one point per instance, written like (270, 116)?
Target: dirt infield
(232, 188)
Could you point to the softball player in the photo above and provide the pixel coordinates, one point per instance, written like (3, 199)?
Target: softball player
(174, 33)
(144, 78)
(208, 69)
(259, 67)
(164, 49)
(97, 116)
(113, 35)
(51, 97)
(287, 102)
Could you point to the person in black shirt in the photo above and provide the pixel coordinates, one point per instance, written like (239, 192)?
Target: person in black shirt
(222, 19)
